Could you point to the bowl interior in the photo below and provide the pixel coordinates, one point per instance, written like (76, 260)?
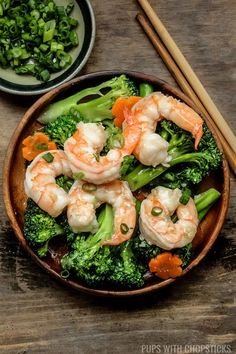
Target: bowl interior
(15, 198)
(29, 85)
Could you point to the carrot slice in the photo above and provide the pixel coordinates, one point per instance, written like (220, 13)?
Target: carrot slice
(119, 107)
(166, 265)
(33, 145)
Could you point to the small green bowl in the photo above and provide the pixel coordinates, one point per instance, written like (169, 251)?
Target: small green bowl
(28, 85)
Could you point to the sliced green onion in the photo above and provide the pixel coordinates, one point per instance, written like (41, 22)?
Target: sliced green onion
(156, 211)
(36, 32)
(49, 30)
(35, 14)
(48, 157)
(97, 157)
(41, 146)
(78, 176)
(44, 75)
(89, 187)
(74, 38)
(65, 274)
(56, 46)
(69, 8)
(124, 228)
(43, 47)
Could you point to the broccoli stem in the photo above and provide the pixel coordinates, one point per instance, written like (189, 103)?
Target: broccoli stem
(105, 230)
(95, 109)
(56, 109)
(145, 89)
(142, 175)
(205, 200)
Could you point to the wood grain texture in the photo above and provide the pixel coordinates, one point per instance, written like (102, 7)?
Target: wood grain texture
(37, 314)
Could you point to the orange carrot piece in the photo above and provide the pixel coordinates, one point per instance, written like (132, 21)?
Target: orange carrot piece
(120, 105)
(166, 265)
(33, 145)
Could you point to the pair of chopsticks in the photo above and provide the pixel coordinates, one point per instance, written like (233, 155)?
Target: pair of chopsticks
(187, 79)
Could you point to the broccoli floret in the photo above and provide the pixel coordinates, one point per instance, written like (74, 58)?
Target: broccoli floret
(128, 165)
(200, 164)
(97, 265)
(185, 254)
(89, 260)
(63, 222)
(61, 129)
(190, 166)
(39, 227)
(127, 272)
(97, 109)
(144, 251)
(115, 137)
(65, 182)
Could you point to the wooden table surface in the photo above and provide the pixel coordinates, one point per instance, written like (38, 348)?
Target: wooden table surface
(39, 315)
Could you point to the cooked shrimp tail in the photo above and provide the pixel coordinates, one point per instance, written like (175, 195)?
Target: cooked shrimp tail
(152, 149)
(40, 184)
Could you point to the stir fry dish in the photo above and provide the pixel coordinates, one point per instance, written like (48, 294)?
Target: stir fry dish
(114, 173)
(36, 36)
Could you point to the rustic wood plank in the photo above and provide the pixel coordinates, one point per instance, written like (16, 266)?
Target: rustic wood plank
(37, 314)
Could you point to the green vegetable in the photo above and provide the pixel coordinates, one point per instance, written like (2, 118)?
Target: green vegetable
(127, 272)
(97, 265)
(115, 137)
(191, 166)
(78, 176)
(39, 227)
(156, 211)
(128, 165)
(204, 201)
(97, 109)
(36, 37)
(89, 187)
(124, 228)
(185, 254)
(186, 194)
(65, 182)
(62, 128)
(144, 251)
(91, 261)
(145, 89)
(48, 157)
(49, 29)
(67, 231)
(41, 146)
(207, 158)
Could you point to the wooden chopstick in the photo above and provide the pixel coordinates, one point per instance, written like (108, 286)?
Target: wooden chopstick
(183, 83)
(189, 73)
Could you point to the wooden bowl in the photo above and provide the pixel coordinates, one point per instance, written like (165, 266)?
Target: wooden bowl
(15, 198)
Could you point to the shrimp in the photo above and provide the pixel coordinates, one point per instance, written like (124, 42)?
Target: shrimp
(152, 149)
(40, 184)
(155, 222)
(85, 198)
(84, 147)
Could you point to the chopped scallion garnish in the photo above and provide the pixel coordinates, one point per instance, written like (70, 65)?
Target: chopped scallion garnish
(48, 157)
